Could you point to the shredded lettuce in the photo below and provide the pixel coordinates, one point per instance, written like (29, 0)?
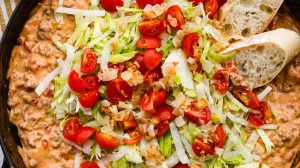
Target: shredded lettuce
(236, 102)
(133, 155)
(46, 81)
(249, 165)
(206, 65)
(119, 58)
(253, 138)
(121, 163)
(72, 11)
(219, 58)
(264, 93)
(165, 144)
(268, 143)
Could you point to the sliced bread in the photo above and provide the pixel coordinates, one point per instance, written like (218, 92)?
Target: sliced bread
(260, 58)
(247, 17)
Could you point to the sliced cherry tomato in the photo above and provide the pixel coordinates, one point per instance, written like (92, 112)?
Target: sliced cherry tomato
(111, 5)
(128, 124)
(75, 83)
(189, 42)
(268, 115)
(148, 42)
(219, 137)
(162, 128)
(88, 165)
(139, 58)
(200, 148)
(153, 75)
(198, 113)
(221, 81)
(260, 116)
(71, 129)
(91, 82)
(180, 165)
(211, 7)
(118, 90)
(247, 97)
(221, 2)
(89, 99)
(88, 62)
(143, 3)
(159, 97)
(135, 137)
(196, 2)
(152, 27)
(106, 141)
(84, 133)
(152, 58)
(152, 99)
(165, 112)
(175, 17)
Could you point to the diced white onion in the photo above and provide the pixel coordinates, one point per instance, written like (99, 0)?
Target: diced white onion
(72, 11)
(268, 143)
(179, 121)
(264, 93)
(238, 120)
(46, 81)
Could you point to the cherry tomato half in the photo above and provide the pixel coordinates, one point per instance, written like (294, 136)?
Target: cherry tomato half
(260, 116)
(211, 7)
(129, 124)
(152, 99)
(268, 115)
(111, 5)
(91, 82)
(83, 134)
(75, 83)
(221, 81)
(71, 129)
(189, 42)
(247, 97)
(152, 27)
(200, 148)
(219, 137)
(88, 62)
(139, 58)
(198, 114)
(162, 128)
(196, 2)
(118, 90)
(175, 17)
(143, 3)
(106, 141)
(135, 137)
(152, 58)
(89, 99)
(221, 2)
(153, 75)
(88, 165)
(180, 165)
(148, 42)
(165, 112)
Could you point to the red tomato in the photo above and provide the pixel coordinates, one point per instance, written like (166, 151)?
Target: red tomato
(118, 90)
(221, 81)
(175, 17)
(88, 62)
(189, 42)
(75, 83)
(198, 113)
(106, 141)
(196, 2)
(88, 165)
(89, 99)
(211, 7)
(153, 75)
(135, 137)
(221, 2)
(128, 124)
(83, 134)
(152, 58)
(266, 111)
(200, 148)
(139, 58)
(91, 82)
(247, 97)
(148, 42)
(120, 67)
(71, 129)
(143, 3)
(162, 128)
(180, 165)
(152, 99)
(261, 116)
(111, 5)
(220, 137)
(164, 112)
(152, 27)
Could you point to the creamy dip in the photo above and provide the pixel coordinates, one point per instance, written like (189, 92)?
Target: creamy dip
(35, 55)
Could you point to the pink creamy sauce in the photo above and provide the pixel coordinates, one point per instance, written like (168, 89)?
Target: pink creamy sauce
(36, 55)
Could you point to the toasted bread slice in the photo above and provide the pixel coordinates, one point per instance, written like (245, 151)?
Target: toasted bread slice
(260, 58)
(247, 17)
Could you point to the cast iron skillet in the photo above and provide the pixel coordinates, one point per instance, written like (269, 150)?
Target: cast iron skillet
(8, 133)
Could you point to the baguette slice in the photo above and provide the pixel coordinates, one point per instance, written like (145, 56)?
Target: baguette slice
(247, 17)
(259, 59)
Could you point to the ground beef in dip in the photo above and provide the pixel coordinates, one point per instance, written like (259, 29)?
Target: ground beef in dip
(36, 55)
